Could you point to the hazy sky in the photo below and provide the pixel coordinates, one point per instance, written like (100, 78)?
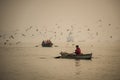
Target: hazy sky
(20, 14)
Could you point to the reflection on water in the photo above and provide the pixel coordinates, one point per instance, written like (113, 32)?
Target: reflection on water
(77, 64)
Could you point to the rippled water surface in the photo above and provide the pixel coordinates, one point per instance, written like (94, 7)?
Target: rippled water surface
(37, 63)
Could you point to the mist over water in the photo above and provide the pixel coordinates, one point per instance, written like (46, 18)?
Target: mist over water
(93, 25)
(60, 21)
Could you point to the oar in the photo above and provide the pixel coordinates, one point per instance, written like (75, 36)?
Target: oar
(58, 57)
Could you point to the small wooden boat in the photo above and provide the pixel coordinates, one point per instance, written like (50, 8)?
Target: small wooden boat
(74, 56)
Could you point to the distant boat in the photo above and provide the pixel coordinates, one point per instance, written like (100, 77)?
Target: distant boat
(47, 43)
(74, 56)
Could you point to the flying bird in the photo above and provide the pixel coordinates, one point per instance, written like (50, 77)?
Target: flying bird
(11, 37)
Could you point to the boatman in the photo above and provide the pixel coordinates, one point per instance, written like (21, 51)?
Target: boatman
(77, 51)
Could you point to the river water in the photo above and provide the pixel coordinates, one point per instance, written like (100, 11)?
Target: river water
(37, 63)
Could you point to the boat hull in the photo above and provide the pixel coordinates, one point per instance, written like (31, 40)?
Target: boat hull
(74, 56)
(46, 45)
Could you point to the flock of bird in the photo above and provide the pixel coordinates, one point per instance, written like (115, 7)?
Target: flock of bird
(53, 34)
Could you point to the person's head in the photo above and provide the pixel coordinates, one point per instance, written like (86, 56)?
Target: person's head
(77, 46)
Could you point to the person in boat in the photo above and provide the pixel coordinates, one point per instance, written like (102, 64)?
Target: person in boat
(78, 50)
(48, 41)
(43, 42)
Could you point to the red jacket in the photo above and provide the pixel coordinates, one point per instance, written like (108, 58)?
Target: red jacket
(78, 51)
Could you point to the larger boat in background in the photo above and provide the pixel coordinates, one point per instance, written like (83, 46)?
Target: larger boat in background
(47, 43)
